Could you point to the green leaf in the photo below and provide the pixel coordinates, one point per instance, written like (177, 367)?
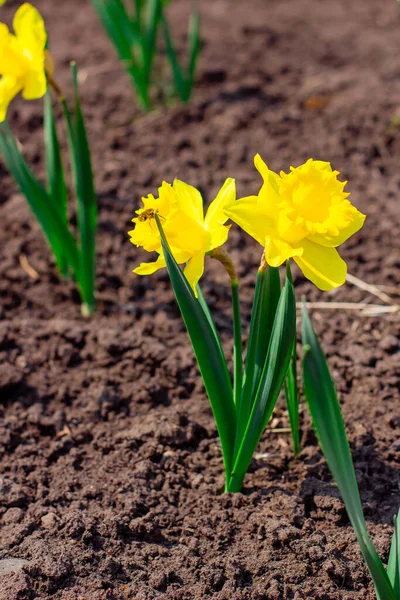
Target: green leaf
(154, 8)
(265, 302)
(55, 171)
(194, 50)
(208, 352)
(56, 231)
(237, 345)
(271, 381)
(206, 310)
(130, 42)
(329, 426)
(86, 199)
(293, 401)
(183, 78)
(393, 569)
(292, 394)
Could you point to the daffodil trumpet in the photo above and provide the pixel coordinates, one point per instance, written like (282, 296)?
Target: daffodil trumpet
(27, 66)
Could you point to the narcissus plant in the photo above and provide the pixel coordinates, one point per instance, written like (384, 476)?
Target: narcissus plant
(27, 67)
(302, 215)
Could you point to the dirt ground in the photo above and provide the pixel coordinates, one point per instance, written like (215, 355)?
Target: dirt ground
(110, 466)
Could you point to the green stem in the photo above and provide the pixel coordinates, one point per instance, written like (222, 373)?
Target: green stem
(237, 344)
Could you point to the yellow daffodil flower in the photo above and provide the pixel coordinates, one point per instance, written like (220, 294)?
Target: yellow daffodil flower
(189, 233)
(22, 58)
(302, 215)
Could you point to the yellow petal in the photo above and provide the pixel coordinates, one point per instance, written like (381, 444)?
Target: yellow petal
(35, 84)
(29, 28)
(151, 267)
(184, 232)
(12, 60)
(9, 88)
(189, 200)
(268, 196)
(2, 2)
(194, 270)
(278, 251)
(246, 213)
(218, 237)
(321, 265)
(215, 213)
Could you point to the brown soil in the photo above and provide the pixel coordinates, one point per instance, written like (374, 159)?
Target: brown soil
(110, 466)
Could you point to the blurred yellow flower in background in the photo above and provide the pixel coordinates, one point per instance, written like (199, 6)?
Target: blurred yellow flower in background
(302, 215)
(22, 58)
(189, 233)
(2, 2)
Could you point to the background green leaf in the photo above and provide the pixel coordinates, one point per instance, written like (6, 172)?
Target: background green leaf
(57, 188)
(54, 227)
(329, 426)
(393, 569)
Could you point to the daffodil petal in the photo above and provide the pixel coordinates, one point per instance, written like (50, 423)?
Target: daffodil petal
(277, 251)
(9, 88)
(151, 267)
(321, 265)
(189, 200)
(269, 176)
(29, 28)
(194, 270)
(246, 213)
(215, 213)
(35, 84)
(183, 231)
(219, 235)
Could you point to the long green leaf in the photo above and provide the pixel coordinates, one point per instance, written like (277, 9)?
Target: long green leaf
(129, 43)
(237, 345)
(153, 16)
(203, 304)
(393, 569)
(177, 73)
(266, 298)
(292, 394)
(271, 382)
(56, 231)
(86, 199)
(293, 400)
(194, 50)
(329, 426)
(183, 78)
(55, 171)
(208, 353)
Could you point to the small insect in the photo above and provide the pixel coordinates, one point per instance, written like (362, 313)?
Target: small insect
(147, 214)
